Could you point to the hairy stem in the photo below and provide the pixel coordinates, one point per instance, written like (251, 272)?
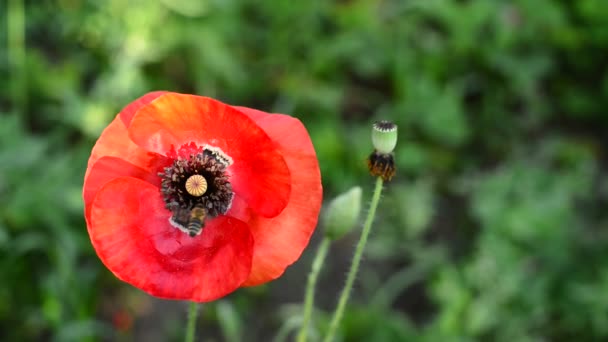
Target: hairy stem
(310, 287)
(354, 267)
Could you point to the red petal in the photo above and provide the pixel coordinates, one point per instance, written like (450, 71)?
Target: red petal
(279, 241)
(239, 210)
(115, 142)
(127, 113)
(107, 169)
(259, 174)
(132, 235)
(134, 161)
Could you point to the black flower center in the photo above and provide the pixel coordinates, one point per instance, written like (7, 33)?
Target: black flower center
(195, 187)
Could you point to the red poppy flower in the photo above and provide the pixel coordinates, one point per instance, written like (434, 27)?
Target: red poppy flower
(189, 198)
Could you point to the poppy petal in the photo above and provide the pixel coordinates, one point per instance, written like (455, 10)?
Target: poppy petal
(107, 169)
(259, 173)
(239, 209)
(128, 159)
(115, 142)
(131, 233)
(127, 113)
(279, 241)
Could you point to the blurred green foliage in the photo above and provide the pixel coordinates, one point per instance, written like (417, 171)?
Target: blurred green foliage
(495, 228)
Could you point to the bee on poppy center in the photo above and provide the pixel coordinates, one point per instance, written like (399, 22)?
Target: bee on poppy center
(195, 188)
(196, 222)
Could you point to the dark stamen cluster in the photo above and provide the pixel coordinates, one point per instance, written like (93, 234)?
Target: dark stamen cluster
(218, 196)
(381, 165)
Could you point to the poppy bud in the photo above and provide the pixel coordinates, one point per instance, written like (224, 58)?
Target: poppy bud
(342, 213)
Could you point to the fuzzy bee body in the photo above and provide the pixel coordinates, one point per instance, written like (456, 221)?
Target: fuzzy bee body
(196, 222)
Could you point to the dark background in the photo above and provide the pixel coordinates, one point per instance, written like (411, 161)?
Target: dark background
(494, 229)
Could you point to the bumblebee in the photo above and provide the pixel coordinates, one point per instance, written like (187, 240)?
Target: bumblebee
(196, 221)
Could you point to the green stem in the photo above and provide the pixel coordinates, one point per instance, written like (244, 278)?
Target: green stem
(354, 267)
(310, 287)
(16, 52)
(191, 327)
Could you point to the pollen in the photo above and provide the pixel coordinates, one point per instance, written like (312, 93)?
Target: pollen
(196, 185)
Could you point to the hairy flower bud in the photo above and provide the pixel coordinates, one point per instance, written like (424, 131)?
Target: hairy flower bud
(343, 213)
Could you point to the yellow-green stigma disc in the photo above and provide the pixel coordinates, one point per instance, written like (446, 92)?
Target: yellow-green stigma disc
(196, 185)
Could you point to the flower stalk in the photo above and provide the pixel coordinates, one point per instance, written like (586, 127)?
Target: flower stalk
(191, 327)
(310, 287)
(354, 268)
